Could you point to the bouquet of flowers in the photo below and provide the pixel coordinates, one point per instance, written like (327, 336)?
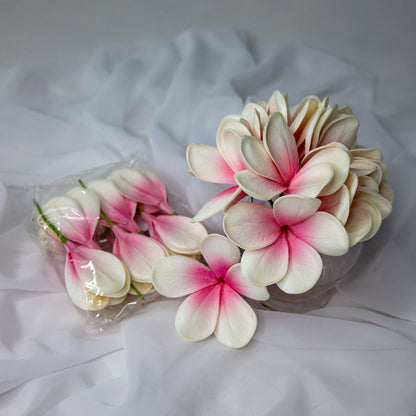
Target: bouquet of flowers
(299, 186)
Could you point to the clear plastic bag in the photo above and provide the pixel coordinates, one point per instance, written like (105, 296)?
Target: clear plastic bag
(105, 258)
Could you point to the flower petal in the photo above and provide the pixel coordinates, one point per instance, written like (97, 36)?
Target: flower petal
(257, 159)
(338, 156)
(267, 265)
(229, 135)
(176, 276)
(207, 164)
(242, 285)
(138, 252)
(281, 146)
(197, 315)
(179, 233)
(77, 292)
(67, 216)
(301, 113)
(256, 117)
(343, 129)
(237, 321)
(337, 204)
(117, 207)
(381, 203)
(219, 253)
(305, 267)
(100, 272)
(324, 233)
(278, 103)
(135, 184)
(376, 218)
(257, 186)
(220, 202)
(292, 209)
(251, 226)
(89, 204)
(307, 132)
(386, 191)
(359, 225)
(311, 180)
(143, 288)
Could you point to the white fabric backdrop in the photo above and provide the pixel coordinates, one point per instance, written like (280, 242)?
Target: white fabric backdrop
(356, 356)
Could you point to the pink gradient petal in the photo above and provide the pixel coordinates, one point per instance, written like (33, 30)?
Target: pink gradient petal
(257, 186)
(338, 156)
(229, 135)
(222, 201)
(219, 253)
(242, 285)
(67, 216)
(258, 160)
(281, 146)
(179, 233)
(305, 267)
(251, 226)
(310, 180)
(237, 321)
(138, 252)
(197, 315)
(293, 209)
(324, 233)
(79, 295)
(176, 276)
(90, 205)
(267, 265)
(207, 164)
(117, 207)
(100, 272)
(134, 184)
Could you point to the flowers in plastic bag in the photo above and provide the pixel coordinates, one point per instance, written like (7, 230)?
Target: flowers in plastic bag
(114, 231)
(214, 305)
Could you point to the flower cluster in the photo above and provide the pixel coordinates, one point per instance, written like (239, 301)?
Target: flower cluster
(114, 231)
(326, 193)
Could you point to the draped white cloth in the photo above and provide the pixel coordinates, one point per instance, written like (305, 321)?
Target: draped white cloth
(355, 356)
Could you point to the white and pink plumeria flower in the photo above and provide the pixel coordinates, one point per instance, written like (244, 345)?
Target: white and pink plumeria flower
(282, 244)
(274, 166)
(118, 208)
(75, 215)
(92, 276)
(214, 305)
(139, 253)
(143, 186)
(176, 232)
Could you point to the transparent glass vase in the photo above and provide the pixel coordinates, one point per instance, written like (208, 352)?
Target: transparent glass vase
(335, 269)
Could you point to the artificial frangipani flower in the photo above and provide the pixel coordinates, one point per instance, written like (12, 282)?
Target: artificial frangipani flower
(110, 246)
(308, 189)
(214, 305)
(326, 192)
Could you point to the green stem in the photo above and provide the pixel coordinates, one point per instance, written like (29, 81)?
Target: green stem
(49, 224)
(136, 290)
(110, 223)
